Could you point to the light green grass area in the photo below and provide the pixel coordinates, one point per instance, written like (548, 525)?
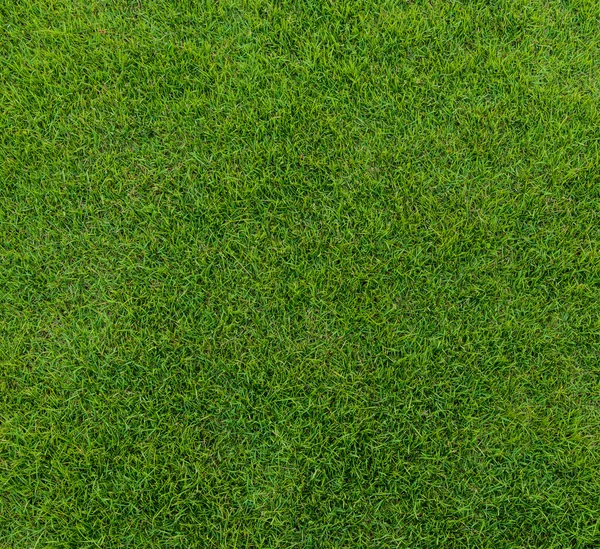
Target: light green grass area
(311, 274)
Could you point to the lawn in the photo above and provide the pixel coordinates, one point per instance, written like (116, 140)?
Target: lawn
(303, 274)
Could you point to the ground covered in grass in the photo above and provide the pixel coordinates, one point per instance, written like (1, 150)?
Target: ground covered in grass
(299, 274)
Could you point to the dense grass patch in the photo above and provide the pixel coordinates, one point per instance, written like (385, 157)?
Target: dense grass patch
(299, 274)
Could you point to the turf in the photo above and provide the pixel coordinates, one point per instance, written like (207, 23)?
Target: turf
(299, 274)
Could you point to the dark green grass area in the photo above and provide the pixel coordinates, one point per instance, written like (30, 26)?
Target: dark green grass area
(299, 274)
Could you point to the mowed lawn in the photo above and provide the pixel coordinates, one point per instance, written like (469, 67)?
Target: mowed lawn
(310, 274)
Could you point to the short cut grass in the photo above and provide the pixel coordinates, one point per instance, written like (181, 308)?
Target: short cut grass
(299, 274)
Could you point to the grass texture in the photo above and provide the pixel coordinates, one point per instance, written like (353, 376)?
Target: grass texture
(299, 274)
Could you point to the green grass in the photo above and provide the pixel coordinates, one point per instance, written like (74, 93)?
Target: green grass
(299, 274)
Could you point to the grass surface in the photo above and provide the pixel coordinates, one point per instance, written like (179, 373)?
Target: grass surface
(299, 274)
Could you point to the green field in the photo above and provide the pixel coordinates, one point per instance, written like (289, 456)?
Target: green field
(303, 274)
